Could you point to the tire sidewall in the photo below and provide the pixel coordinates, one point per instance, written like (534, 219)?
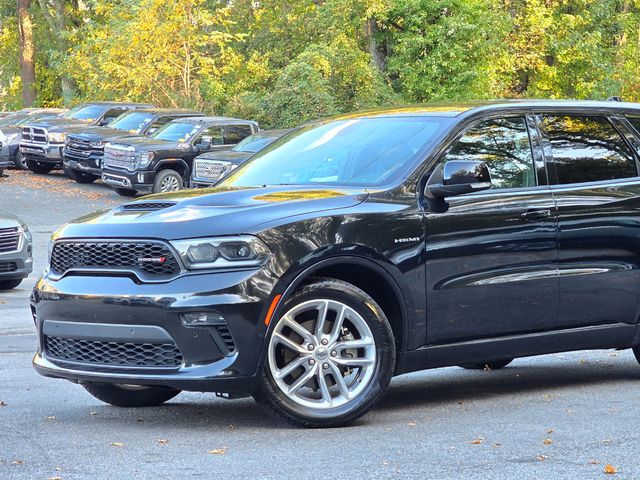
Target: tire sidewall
(385, 356)
(161, 175)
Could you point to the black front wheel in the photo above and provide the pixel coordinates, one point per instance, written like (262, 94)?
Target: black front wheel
(20, 162)
(330, 356)
(37, 167)
(80, 177)
(130, 395)
(491, 365)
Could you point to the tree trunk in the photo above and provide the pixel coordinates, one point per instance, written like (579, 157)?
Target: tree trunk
(27, 53)
(377, 56)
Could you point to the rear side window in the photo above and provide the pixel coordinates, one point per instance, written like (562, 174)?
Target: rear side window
(587, 149)
(635, 121)
(503, 144)
(234, 133)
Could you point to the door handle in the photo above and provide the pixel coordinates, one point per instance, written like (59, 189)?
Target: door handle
(533, 215)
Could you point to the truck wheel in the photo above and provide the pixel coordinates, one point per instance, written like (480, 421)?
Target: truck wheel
(9, 284)
(130, 395)
(494, 365)
(167, 181)
(80, 177)
(126, 192)
(330, 356)
(20, 162)
(36, 167)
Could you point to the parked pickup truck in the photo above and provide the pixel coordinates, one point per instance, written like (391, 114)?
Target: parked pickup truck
(210, 167)
(162, 163)
(84, 146)
(42, 142)
(10, 134)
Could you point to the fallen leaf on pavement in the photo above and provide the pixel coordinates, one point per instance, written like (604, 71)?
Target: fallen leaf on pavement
(2, 403)
(117, 444)
(610, 469)
(218, 451)
(51, 417)
(594, 462)
(17, 462)
(162, 441)
(54, 478)
(477, 441)
(412, 423)
(550, 430)
(547, 441)
(541, 457)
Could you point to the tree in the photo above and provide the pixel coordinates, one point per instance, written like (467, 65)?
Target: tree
(27, 53)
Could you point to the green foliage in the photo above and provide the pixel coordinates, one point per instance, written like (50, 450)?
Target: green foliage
(286, 61)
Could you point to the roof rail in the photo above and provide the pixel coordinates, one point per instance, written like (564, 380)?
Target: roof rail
(614, 98)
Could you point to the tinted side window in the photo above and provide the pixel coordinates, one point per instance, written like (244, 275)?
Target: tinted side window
(215, 133)
(503, 144)
(113, 113)
(635, 121)
(234, 133)
(587, 149)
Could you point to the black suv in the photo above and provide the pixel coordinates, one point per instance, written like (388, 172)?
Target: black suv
(356, 249)
(210, 167)
(162, 163)
(42, 141)
(84, 146)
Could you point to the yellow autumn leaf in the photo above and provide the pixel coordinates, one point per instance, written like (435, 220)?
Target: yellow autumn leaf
(610, 469)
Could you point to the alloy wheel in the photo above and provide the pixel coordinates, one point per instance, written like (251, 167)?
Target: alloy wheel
(169, 184)
(322, 354)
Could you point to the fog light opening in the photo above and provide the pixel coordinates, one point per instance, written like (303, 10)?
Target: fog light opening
(197, 319)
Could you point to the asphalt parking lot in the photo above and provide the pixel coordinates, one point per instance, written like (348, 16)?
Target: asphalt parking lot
(559, 416)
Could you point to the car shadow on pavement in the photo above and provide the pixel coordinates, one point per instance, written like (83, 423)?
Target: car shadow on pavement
(455, 385)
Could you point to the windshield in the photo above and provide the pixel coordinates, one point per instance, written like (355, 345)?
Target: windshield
(11, 120)
(357, 152)
(88, 113)
(254, 143)
(132, 122)
(177, 132)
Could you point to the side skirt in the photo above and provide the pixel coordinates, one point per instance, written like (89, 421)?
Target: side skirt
(619, 335)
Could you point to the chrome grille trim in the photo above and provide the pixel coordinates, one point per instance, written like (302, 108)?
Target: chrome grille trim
(34, 136)
(118, 156)
(11, 239)
(209, 169)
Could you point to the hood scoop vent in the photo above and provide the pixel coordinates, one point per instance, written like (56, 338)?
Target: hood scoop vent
(147, 206)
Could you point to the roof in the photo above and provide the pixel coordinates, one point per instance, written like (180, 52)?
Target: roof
(149, 105)
(453, 109)
(214, 120)
(272, 133)
(169, 111)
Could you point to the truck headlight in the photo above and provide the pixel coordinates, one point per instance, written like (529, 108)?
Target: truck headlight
(143, 160)
(57, 137)
(222, 252)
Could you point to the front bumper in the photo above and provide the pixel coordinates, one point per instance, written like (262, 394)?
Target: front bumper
(202, 182)
(86, 166)
(121, 310)
(17, 264)
(42, 152)
(141, 181)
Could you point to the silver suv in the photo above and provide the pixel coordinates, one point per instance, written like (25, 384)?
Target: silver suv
(16, 251)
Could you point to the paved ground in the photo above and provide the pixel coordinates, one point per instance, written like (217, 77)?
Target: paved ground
(560, 416)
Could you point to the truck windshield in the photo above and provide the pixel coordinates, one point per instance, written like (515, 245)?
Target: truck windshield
(177, 132)
(132, 122)
(357, 152)
(88, 113)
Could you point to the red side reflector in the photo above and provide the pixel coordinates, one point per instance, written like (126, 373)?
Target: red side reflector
(272, 308)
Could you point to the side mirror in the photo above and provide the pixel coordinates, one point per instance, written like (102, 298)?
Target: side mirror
(204, 142)
(104, 122)
(460, 177)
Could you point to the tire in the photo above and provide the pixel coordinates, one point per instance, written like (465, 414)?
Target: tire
(491, 365)
(636, 352)
(321, 402)
(125, 396)
(20, 162)
(9, 284)
(80, 177)
(36, 167)
(126, 192)
(167, 181)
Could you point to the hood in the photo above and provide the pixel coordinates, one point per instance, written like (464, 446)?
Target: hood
(57, 124)
(145, 144)
(96, 134)
(6, 131)
(227, 156)
(9, 221)
(211, 212)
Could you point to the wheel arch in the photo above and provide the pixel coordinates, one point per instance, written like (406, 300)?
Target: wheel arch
(175, 164)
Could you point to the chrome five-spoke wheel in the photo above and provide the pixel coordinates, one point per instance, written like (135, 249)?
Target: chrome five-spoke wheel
(322, 353)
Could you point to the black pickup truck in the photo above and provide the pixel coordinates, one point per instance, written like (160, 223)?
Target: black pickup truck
(84, 146)
(42, 142)
(162, 162)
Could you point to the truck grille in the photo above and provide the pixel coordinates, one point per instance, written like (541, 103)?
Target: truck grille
(114, 353)
(8, 267)
(76, 149)
(154, 260)
(34, 135)
(9, 239)
(209, 169)
(118, 157)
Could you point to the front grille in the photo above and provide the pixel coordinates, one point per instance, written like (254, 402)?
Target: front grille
(114, 353)
(118, 157)
(34, 135)
(148, 206)
(9, 239)
(152, 259)
(209, 169)
(8, 267)
(76, 149)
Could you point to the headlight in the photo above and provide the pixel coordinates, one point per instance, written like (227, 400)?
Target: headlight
(50, 250)
(97, 144)
(142, 160)
(57, 137)
(222, 252)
